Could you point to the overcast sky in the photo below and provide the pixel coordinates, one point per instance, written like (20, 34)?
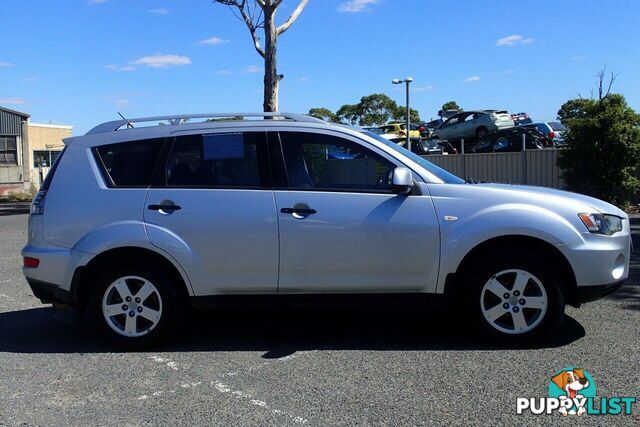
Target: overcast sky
(78, 62)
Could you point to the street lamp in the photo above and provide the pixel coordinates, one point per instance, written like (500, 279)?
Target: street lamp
(408, 81)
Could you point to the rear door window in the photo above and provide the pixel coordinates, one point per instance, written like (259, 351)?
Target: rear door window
(129, 164)
(225, 160)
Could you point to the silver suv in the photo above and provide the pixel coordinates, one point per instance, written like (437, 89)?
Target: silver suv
(133, 224)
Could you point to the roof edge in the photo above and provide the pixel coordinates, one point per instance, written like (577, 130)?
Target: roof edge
(18, 113)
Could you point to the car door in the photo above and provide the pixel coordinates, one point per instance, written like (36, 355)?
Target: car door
(342, 228)
(213, 209)
(449, 129)
(467, 125)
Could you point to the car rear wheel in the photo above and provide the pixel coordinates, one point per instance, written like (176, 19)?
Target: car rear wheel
(513, 298)
(133, 308)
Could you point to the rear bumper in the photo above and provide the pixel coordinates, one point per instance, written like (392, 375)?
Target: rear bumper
(592, 293)
(49, 293)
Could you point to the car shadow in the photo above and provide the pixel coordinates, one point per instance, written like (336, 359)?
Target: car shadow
(276, 332)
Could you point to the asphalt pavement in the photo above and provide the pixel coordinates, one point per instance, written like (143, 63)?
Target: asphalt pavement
(292, 367)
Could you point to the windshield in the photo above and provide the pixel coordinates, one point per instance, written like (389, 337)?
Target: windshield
(444, 175)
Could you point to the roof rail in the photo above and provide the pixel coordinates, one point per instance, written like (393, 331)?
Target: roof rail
(114, 125)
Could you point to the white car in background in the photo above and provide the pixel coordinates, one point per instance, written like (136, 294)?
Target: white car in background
(474, 124)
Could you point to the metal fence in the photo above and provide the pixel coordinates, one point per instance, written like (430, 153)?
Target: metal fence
(530, 167)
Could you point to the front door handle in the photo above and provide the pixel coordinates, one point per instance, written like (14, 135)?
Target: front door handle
(165, 206)
(299, 211)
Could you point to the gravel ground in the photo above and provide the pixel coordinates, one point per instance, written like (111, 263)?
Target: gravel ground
(289, 367)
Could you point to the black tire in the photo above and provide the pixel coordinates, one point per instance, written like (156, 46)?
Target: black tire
(481, 132)
(169, 302)
(485, 268)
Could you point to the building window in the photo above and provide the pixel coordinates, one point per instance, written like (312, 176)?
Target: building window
(45, 158)
(8, 150)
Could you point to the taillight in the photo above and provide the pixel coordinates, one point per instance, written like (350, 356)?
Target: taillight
(29, 262)
(37, 205)
(551, 135)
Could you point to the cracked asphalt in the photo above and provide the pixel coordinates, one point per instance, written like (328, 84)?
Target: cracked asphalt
(293, 367)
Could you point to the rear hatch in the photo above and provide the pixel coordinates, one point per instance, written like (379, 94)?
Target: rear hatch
(558, 131)
(502, 119)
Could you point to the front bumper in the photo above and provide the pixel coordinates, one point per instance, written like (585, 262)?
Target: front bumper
(592, 293)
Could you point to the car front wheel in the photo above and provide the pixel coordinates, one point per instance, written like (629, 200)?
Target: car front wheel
(515, 300)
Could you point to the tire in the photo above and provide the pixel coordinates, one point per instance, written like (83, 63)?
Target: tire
(512, 298)
(481, 132)
(133, 307)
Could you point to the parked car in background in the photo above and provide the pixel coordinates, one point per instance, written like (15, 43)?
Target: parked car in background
(553, 130)
(446, 146)
(425, 132)
(399, 130)
(521, 119)
(510, 140)
(474, 124)
(430, 147)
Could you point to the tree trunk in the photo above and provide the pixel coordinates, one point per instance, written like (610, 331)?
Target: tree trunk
(271, 77)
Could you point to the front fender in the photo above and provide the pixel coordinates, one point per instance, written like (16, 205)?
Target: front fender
(459, 237)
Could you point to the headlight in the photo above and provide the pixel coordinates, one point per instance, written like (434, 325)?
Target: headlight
(601, 223)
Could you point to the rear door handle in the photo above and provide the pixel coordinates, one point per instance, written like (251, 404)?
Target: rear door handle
(299, 211)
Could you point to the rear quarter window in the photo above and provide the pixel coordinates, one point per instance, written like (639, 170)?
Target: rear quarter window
(129, 164)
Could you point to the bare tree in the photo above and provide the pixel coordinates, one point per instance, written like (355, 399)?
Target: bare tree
(260, 15)
(601, 82)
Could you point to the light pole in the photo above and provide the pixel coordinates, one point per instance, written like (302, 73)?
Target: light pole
(408, 81)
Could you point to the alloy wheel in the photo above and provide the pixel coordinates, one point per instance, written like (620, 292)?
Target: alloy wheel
(513, 301)
(132, 306)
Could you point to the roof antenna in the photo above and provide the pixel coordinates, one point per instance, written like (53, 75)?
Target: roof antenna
(129, 124)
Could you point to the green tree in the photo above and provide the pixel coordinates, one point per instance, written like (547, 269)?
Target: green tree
(323, 114)
(603, 147)
(373, 110)
(451, 105)
(376, 109)
(348, 114)
(400, 115)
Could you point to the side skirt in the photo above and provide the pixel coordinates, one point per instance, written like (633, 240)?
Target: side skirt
(366, 301)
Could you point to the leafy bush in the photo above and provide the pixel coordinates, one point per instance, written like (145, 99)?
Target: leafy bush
(602, 158)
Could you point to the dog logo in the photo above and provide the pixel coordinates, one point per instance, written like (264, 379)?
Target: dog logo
(572, 386)
(572, 391)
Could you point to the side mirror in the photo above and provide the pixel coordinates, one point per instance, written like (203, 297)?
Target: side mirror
(402, 180)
